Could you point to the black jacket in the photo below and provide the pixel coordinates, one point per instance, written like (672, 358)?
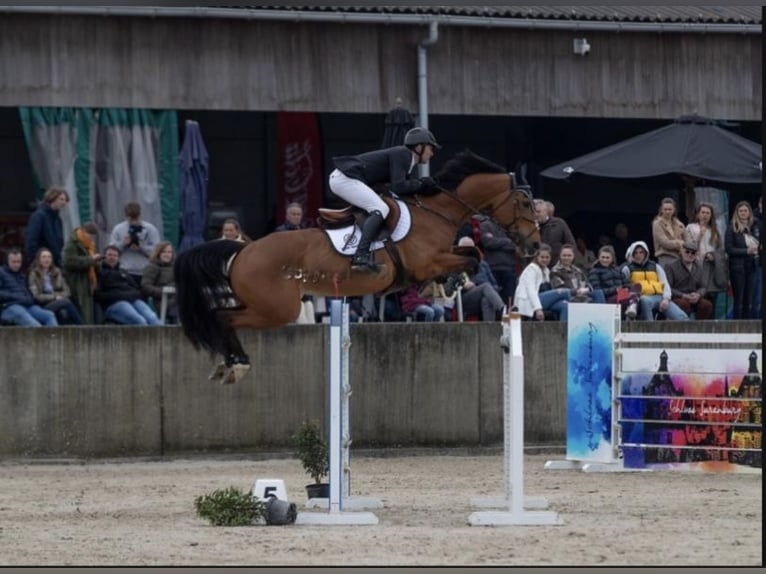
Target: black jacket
(13, 289)
(608, 279)
(392, 165)
(736, 249)
(114, 285)
(44, 230)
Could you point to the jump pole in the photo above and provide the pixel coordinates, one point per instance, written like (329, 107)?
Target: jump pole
(513, 511)
(340, 472)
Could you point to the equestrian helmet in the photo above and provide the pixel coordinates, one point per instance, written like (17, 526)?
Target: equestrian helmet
(418, 136)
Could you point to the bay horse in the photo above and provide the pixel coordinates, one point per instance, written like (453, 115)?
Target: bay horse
(225, 285)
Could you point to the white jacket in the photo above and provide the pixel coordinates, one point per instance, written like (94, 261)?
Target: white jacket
(526, 297)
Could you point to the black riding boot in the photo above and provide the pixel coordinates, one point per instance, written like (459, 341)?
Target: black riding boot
(362, 259)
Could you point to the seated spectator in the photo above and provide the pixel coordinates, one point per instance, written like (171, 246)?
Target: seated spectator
(50, 289)
(120, 294)
(584, 257)
(650, 276)
(481, 293)
(606, 276)
(437, 292)
(81, 261)
(232, 231)
(17, 306)
(687, 285)
(158, 274)
(136, 240)
(566, 274)
(534, 294)
(422, 308)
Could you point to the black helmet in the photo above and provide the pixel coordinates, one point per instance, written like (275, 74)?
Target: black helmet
(420, 136)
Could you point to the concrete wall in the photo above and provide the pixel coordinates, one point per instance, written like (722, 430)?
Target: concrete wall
(118, 391)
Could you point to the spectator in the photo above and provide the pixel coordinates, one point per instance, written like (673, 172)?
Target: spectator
(584, 257)
(136, 240)
(566, 274)
(621, 240)
(293, 218)
(119, 293)
(423, 308)
(17, 306)
(758, 216)
(50, 290)
(668, 233)
(650, 276)
(711, 255)
(743, 245)
(437, 292)
(500, 255)
(686, 283)
(232, 231)
(481, 293)
(81, 261)
(159, 274)
(606, 275)
(45, 228)
(534, 294)
(554, 231)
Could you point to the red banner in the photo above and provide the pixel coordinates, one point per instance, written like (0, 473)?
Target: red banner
(299, 164)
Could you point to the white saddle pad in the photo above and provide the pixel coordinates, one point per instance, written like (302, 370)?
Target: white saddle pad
(345, 239)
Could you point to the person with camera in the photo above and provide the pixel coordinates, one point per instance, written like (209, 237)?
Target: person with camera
(136, 239)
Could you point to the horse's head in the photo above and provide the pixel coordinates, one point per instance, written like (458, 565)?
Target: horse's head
(486, 187)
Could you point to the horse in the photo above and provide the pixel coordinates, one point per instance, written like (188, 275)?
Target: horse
(223, 285)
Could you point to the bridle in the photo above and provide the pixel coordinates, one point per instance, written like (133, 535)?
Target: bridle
(511, 228)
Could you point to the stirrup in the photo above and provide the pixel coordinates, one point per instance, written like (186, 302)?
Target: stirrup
(365, 264)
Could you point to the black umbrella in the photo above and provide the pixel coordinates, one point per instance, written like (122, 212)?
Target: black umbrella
(398, 122)
(692, 145)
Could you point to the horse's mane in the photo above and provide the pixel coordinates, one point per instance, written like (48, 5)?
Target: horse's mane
(464, 163)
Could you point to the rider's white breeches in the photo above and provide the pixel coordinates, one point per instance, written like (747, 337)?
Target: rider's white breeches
(357, 193)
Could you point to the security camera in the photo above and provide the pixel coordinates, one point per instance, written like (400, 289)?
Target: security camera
(581, 46)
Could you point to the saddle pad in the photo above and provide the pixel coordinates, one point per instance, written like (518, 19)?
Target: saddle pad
(345, 239)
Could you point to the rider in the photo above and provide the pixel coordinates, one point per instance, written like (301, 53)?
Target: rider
(354, 176)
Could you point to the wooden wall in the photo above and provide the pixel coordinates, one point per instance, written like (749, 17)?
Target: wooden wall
(213, 64)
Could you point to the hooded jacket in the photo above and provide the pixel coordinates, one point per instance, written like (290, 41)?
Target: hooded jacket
(649, 274)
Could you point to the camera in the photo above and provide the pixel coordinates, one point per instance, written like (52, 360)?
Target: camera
(133, 232)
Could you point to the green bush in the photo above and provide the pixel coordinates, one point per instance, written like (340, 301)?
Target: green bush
(230, 507)
(311, 449)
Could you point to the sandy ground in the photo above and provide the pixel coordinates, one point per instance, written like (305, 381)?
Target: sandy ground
(142, 513)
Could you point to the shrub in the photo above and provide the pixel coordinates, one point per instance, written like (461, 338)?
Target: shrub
(230, 507)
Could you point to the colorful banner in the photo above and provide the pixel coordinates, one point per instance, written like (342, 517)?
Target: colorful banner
(692, 409)
(299, 164)
(591, 329)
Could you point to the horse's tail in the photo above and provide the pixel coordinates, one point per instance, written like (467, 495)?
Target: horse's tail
(202, 288)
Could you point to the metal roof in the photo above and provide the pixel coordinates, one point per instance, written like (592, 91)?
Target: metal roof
(648, 14)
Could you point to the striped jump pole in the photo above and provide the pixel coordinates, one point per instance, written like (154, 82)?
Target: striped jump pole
(513, 507)
(340, 471)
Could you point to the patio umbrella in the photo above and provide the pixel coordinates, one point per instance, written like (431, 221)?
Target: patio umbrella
(397, 123)
(193, 165)
(692, 146)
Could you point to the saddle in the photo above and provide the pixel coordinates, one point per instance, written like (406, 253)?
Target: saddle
(350, 215)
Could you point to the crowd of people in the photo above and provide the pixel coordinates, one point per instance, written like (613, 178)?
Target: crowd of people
(693, 270)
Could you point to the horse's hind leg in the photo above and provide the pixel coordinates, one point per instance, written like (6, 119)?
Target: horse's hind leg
(236, 362)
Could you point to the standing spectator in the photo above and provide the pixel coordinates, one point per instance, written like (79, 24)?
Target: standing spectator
(743, 245)
(553, 230)
(50, 289)
(45, 228)
(711, 255)
(411, 301)
(159, 274)
(758, 216)
(481, 293)
(534, 294)
(668, 233)
(136, 240)
(686, 284)
(650, 276)
(584, 257)
(17, 306)
(566, 274)
(500, 255)
(81, 261)
(621, 241)
(120, 294)
(606, 275)
(232, 231)
(293, 218)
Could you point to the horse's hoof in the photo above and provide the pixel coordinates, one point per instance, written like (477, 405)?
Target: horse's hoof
(218, 372)
(235, 373)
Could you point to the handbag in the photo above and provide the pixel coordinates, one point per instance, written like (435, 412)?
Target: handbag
(623, 294)
(545, 286)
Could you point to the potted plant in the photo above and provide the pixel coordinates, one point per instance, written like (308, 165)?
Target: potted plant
(311, 450)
